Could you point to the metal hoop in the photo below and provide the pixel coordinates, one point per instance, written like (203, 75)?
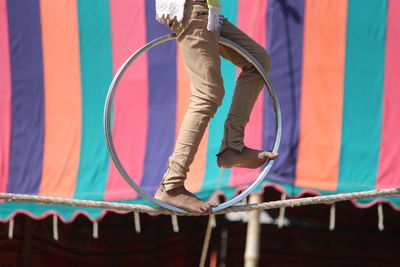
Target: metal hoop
(108, 130)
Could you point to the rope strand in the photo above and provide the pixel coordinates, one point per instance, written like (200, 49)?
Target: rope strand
(238, 208)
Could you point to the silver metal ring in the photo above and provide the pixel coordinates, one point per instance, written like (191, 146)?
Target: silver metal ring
(108, 130)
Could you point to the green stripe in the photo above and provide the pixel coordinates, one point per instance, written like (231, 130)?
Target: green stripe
(96, 74)
(362, 107)
(216, 127)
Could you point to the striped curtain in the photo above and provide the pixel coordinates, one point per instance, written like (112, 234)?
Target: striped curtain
(335, 66)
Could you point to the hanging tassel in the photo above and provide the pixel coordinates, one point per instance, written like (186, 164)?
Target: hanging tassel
(175, 225)
(95, 230)
(137, 222)
(381, 227)
(11, 228)
(55, 227)
(213, 222)
(332, 218)
(244, 215)
(281, 217)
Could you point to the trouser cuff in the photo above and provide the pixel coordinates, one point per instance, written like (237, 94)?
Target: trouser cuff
(173, 185)
(233, 139)
(238, 147)
(175, 175)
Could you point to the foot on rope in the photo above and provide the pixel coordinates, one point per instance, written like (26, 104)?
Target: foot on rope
(182, 198)
(248, 158)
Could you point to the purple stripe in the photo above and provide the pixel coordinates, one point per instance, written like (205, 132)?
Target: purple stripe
(162, 102)
(285, 38)
(27, 131)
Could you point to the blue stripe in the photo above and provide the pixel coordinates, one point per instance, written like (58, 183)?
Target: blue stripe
(162, 102)
(285, 42)
(27, 130)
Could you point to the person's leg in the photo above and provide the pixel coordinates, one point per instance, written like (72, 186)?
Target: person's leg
(233, 152)
(201, 53)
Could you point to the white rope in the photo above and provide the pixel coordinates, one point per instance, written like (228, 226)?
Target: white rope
(175, 225)
(381, 227)
(137, 222)
(332, 217)
(281, 217)
(11, 228)
(55, 227)
(239, 208)
(95, 230)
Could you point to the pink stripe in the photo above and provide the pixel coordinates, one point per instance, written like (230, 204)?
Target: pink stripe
(252, 20)
(5, 97)
(128, 30)
(389, 167)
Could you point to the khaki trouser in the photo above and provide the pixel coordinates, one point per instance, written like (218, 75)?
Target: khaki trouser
(201, 53)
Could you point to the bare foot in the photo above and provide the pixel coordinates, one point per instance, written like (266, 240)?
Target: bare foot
(248, 158)
(181, 198)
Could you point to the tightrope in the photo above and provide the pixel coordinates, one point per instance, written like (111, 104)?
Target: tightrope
(288, 203)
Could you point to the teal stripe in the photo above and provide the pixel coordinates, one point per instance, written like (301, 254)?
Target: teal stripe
(362, 107)
(216, 127)
(96, 74)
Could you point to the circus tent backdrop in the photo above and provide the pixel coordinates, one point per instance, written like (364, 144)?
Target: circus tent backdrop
(336, 72)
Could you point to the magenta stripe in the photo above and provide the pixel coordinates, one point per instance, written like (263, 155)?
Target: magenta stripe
(252, 19)
(5, 98)
(389, 167)
(128, 31)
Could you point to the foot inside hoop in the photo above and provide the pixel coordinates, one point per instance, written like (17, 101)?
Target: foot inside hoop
(108, 130)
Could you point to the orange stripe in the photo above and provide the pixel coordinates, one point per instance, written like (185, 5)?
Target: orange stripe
(197, 169)
(322, 94)
(62, 97)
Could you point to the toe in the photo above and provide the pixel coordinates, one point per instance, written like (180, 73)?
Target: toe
(201, 210)
(270, 155)
(205, 208)
(212, 204)
(198, 211)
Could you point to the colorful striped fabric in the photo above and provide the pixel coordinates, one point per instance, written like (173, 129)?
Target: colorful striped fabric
(335, 71)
